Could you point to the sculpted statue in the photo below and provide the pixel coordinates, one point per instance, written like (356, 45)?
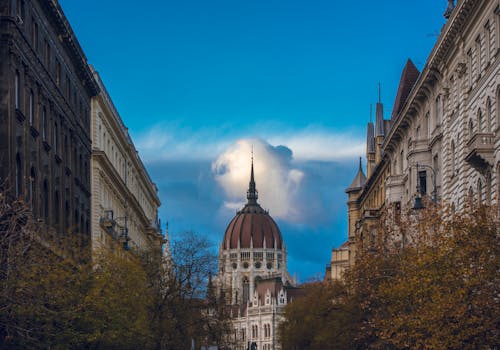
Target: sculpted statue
(449, 9)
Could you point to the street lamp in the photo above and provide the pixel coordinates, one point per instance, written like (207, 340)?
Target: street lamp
(418, 199)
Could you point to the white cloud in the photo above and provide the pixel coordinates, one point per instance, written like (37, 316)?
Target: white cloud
(171, 140)
(277, 181)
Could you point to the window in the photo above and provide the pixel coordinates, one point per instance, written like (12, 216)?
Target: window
(55, 138)
(32, 189)
(478, 57)
(17, 90)
(47, 53)
(34, 35)
(479, 120)
(31, 107)
(489, 121)
(56, 208)
(44, 124)
(471, 128)
(20, 10)
(58, 72)
(422, 182)
(487, 40)
(487, 177)
(46, 201)
(19, 176)
(427, 127)
(469, 64)
(453, 155)
(479, 192)
(471, 198)
(439, 110)
(401, 158)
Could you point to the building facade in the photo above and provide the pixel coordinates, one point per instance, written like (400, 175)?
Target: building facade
(442, 140)
(253, 278)
(45, 92)
(124, 199)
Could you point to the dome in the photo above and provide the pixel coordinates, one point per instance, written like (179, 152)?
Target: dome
(252, 226)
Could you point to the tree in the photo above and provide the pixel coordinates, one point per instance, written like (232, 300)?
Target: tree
(323, 318)
(432, 281)
(185, 311)
(429, 280)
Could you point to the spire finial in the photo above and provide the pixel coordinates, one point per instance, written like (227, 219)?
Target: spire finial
(379, 92)
(360, 165)
(252, 191)
(371, 112)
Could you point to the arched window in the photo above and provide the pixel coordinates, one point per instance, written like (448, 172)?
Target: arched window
(19, 176)
(479, 192)
(471, 197)
(453, 155)
(56, 209)
(44, 124)
(66, 215)
(46, 201)
(479, 120)
(498, 108)
(17, 90)
(489, 115)
(471, 128)
(55, 139)
(488, 187)
(246, 289)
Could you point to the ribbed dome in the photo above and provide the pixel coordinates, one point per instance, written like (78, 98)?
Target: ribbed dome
(252, 226)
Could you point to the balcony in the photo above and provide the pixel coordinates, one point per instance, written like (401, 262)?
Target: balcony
(481, 148)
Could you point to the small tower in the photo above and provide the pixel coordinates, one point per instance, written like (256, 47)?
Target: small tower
(370, 146)
(379, 128)
(353, 192)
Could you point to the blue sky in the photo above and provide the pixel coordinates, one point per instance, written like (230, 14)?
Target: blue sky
(197, 82)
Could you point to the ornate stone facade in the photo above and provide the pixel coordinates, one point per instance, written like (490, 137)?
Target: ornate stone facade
(443, 138)
(253, 278)
(124, 199)
(45, 91)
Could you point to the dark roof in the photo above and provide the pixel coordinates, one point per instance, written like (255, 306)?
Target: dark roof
(409, 77)
(379, 120)
(370, 138)
(359, 180)
(252, 226)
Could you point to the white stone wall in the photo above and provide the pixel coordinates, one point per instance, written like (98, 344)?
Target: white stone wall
(119, 180)
(436, 131)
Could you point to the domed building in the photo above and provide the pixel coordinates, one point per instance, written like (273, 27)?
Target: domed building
(253, 278)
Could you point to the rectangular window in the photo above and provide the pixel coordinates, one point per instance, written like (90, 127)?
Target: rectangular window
(34, 35)
(44, 124)
(47, 54)
(17, 91)
(58, 72)
(55, 138)
(31, 109)
(422, 182)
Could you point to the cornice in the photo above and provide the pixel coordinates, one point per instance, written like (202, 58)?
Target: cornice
(67, 37)
(451, 30)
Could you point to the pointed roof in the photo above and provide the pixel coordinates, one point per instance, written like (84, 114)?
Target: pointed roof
(409, 77)
(252, 193)
(370, 138)
(359, 180)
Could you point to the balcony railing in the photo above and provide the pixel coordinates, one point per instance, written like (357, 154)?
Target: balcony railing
(481, 147)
